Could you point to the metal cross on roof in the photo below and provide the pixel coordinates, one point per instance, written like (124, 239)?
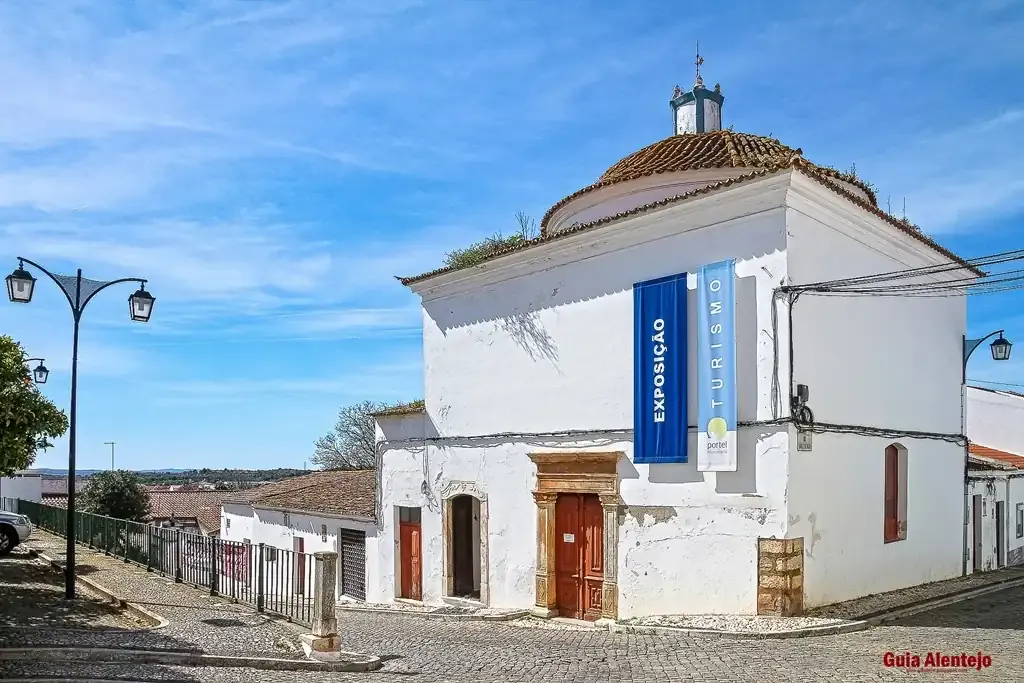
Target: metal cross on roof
(697, 62)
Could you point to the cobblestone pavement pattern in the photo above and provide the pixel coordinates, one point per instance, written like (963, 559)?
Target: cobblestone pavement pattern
(429, 651)
(31, 596)
(197, 620)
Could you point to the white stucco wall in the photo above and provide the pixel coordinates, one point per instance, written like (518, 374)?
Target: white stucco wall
(543, 343)
(856, 357)
(23, 487)
(993, 488)
(994, 418)
(550, 348)
(259, 525)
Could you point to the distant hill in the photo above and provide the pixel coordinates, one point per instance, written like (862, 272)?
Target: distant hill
(46, 471)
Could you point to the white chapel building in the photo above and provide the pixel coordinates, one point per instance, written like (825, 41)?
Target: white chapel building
(607, 429)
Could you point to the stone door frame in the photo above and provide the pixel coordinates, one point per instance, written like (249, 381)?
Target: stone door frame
(588, 472)
(451, 490)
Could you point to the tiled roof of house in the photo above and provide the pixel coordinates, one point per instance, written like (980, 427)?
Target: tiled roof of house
(401, 409)
(997, 455)
(350, 493)
(202, 506)
(825, 177)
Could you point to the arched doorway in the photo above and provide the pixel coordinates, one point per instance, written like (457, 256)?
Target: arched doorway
(465, 547)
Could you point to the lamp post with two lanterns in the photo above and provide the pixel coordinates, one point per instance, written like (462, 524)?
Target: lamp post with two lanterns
(78, 291)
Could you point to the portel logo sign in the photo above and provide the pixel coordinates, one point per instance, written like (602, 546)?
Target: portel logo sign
(717, 426)
(660, 350)
(716, 369)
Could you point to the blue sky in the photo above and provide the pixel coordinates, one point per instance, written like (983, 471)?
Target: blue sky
(269, 166)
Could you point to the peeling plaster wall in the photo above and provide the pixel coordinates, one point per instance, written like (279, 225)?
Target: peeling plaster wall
(851, 354)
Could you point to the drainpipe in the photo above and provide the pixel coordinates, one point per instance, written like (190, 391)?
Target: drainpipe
(963, 432)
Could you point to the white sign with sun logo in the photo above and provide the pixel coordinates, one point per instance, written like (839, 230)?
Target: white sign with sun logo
(716, 367)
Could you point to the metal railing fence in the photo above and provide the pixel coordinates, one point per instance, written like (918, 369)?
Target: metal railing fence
(270, 579)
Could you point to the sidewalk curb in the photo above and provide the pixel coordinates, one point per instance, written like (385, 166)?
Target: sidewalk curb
(864, 623)
(929, 604)
(809, 632)
(357, 662)
(518, 614)
(144, 615)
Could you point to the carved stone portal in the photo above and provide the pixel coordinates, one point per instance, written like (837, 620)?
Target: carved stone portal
(586, 473)
(451, 491)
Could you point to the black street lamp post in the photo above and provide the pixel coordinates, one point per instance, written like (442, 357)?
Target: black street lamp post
(40, 373)
(79, 291)
(1000, 348)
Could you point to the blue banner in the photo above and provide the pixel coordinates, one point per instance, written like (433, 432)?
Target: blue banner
(716, 367)
(659, 372)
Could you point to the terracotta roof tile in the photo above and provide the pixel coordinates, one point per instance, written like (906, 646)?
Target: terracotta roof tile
(696, 151)
(202, 506)
(410, 408)
(351, 493)
(825, 177)
(996, 454)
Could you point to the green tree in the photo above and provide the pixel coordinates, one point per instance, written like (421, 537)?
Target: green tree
(117, 494)
(28, 420)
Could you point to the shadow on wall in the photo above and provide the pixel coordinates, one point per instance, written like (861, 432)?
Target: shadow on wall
(514, 305)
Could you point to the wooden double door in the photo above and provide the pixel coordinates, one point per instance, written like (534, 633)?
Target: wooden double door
(579, 555)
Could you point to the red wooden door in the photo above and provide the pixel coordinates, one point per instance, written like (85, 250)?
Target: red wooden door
(409, 549)
(593, 557)
(579, 556)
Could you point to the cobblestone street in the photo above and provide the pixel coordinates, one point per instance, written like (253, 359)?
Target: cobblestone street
(429, 650)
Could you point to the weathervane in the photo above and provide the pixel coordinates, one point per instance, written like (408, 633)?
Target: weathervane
(697, 62)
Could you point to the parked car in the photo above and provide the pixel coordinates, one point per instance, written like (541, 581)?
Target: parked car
(14, 530)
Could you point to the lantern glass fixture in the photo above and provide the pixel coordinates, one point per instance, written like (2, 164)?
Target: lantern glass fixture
(41, 373)
(20, 285)
(140, 305)
(1001, 349)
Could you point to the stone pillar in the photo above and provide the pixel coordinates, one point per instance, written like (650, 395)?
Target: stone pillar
(323, 642)
(610, 587)
(780, 576)
(546, 598)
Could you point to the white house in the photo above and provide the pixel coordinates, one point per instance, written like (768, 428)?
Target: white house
(529, 479)
(22, 485)
(994, 533)
(327, 510)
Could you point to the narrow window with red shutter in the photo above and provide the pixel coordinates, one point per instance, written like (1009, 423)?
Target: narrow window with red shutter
(892, 498)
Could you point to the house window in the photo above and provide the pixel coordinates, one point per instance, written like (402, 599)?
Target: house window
(1020, 520)
(270, 554)
(287, 519)
(227, 523)
(895, 505)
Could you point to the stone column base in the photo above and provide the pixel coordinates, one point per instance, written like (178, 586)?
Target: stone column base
(543, 612)
(321, 648)
(780, 576)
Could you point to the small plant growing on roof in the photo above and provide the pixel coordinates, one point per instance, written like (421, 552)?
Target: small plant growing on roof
(482, 250)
